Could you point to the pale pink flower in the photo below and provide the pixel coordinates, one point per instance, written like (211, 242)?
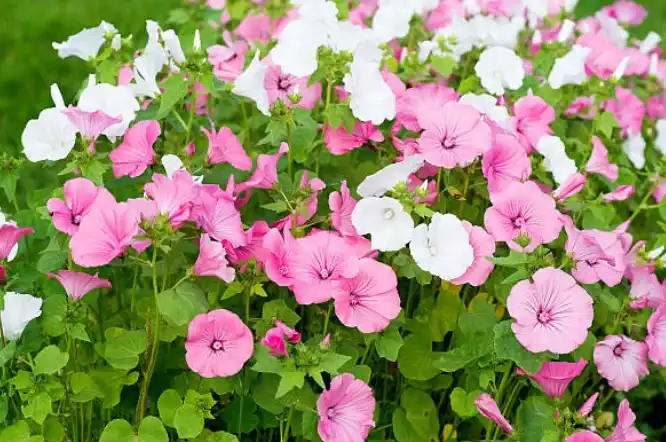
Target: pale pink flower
(280, 250)
(133, 156)
(626, 12)
(80, 195)
(315, 185)
(419, 106)
(552, 313)
(228, 61)
(622, 361)
(218, 344)
(322, 260)
(342, 205)
(656, 338)
(604, 57)
(523, 209)
(370, 300)
(220, 219)
(212, 260)
(588, 405)
(505, 163)
(584, 436)
(625, 430)
(489, 409)
(173, 196)
(292, 335)
(571, 187)
(224, 147)
(345, 410)
(104, 234)
(443, 15)
(582, 107)
(598, 162)
(279, 86)
(339, 141)
(79, 284)
(484, 248)
(533, 119)
(10, 235)
(555, 377)
(622, 193)
(628, 109)
(455, 136)
(255, 28)
(275, 343)
(646, 291)
(265, 175)
(90, 124)
(660, 191)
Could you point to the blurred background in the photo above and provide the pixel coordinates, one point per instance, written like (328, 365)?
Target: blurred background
(28, 64)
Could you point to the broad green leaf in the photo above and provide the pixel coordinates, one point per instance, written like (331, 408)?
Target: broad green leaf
(38, 407)
(586, 350)
(508, 347)
(265, 363)
(152, 430)
(52, 430)
(122, 351)
(240, 415)
(416, 358)
(421, 413)
(188, 421)
(402, 429)
(513, 259)
(175, 89)
(331, 362)
(23, 380)
(54, 310)
(481, 318)
(263, 393)
(444, 66)
(78, 331)
(389, 343)
(19, 432)
(118, 430)
(516, 276)
(362, 372)
(222, 436)
(288, 381)
(181, 305)
(7, 353)
(605, 123)
(84, 387)
(535, 419)
(476, 347)
(168, 404)
(462, 403)
(50, 360)
(279, 206)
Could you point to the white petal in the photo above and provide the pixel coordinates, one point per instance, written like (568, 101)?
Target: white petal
(115, 101)
(385, 220)
(386, 179)
(171, 164)
(19, 310)
(50, 137)
(250, 84)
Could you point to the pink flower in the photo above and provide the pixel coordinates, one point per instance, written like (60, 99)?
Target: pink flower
(80, 195)
(646, 291)
(628, 109)
(585, 436)
(582, 107)
(656, 338)
(279, 257)
(173, 196)
(133, 156)
(484, 248)
(224, 147)
(255, 28)
(419, 106)
(370, 300)
(588, 406)
(212, 260)
(292, 335)
(218, 344)
(254, 244)
(621, 361)
(10, 235)
(78, 284)
(90, 124)
(533, 119)
(319, 264)
(275, 343)
(489, 409)
(345, 410)
(455, 137)
(220, 219)
(555, 377)
(625, 430)
(505, 163)
(626, 12)
(552, 313)
(339, 141)
(523, 209)
(280, 86)
(228, 61)
(604, 56)
(598, 162)
(622, 193)
(571, 187)
(265, 175)
(342, 205)
(315, 185)
(104, 234)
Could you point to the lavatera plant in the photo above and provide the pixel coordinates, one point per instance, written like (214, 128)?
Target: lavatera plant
(342, 221)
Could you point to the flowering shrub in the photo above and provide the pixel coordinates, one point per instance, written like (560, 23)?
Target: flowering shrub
(343, 221)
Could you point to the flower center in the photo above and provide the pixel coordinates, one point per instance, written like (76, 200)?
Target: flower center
(331, 413)
(448, 143)
(217, 345)
(324, 274)
(284, 84)
(389, 214)
(76, 219)
(618, 350)
(544, 317)
(519, 222)
(353, 299)
(283, 270)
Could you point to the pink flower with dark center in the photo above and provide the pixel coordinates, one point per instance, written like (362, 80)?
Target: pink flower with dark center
(484, 248)
(10, 235)
(218, 344)
(220, 219)
(90, 124)
(552, 312)
(622, 193)
(345, 410)
(656, 338)
(133, 156)
(275, 343)
(224, 147)
(625, 430)
(265, 175)
(622, 361)
(342, 205)
(533, 119)
(212, 260)
(584, 436)
(598, 162)
(505, 162)
(455, 137)
(280, 86)
(80, 195)
(370, 300)
(280, 250)
(173, 196)
(318, 265)
(339, 141)
(555, 377)
(489, 409)
(79, 284)
(228, 61)
(523, 210)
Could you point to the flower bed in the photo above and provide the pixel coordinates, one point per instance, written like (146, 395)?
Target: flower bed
(343, 221)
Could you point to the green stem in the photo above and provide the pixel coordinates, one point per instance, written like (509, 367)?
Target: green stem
(290, 166)
(644, 201)
(246, 123)
(464, 193)
(190, 119)
(410, 294)
(247, 308)
(134, 283)
(498, 397)
(100, 315)
(285, 436)
(326, 319)
(329, 90)
(439, 181)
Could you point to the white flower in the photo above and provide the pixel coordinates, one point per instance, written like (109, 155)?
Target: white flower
(116, 42)
(115, 101)
(14, 251)
(87, 43)
(499, 68)
(386, 179)
(656, 253)
(196, 43)
(19, 310)
(172, 164)
(556, 160)
(443, 247)
(146, 68)
(250, 84)
(620, 69)
(391, 20)
(569, 69)
(487, 105)
(172, 46)
(613, 30)
(660, 142)
(51, 136)
(566, 31)
(650, 43)
(385, 220)
(634, 147)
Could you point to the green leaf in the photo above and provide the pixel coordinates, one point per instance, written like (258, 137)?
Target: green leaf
(84, 388)
(181, 305)
(52, 430)
(462, 403)
(302, 135)
(535, 419)
(516, 276)
(514, 259)
(279, 206)
(444, 66)
(152, 430)
(78, 331)
(4, 408)
(605, 123)
(265, 363)
(8, 181)
(19, 432)
(168, 404)
(50, 360)
(476, 347)
(232, 290)
(276, 132)
(362, 372)
(340, 114)
(421, 413)
(508, 347)
(118, 430)
(54, 310)
(240, 415)
(264, 391)
(416, 358)
(586, 350)
(23, 380)
(175, 89)
(188, 421)
(7, 353)
(481, 319)
(122, 351)
(389, 343)
(402, 429)
(331, 362)
(444, 317)
(222, 436)
(288, 381)
(38, 407)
